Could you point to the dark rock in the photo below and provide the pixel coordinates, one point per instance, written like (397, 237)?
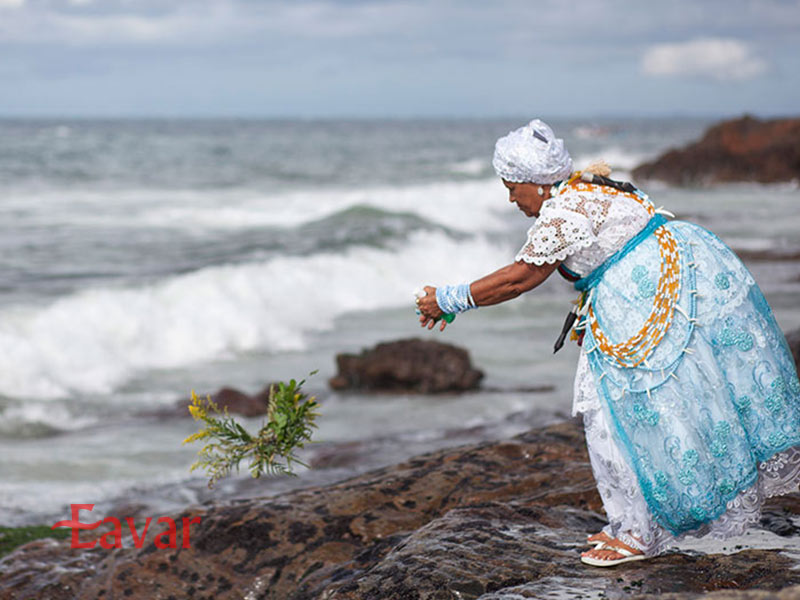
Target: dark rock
(243, 404)
(743, 149)
(768, 255)
(411, 365)
(479, 520)
(237, 402)
(779, 523)
(793, 339)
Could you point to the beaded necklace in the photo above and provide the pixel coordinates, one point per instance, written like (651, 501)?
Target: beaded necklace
(634, 351)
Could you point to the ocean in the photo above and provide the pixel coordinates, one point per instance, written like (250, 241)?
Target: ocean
(144, 259)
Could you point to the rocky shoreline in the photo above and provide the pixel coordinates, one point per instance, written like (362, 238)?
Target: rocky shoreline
(496, 520)
(492, 520)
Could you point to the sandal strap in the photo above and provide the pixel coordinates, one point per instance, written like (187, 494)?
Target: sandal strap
(618, 549)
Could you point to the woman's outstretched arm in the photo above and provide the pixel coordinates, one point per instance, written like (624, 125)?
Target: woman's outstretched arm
(504, 284)
(509, 282)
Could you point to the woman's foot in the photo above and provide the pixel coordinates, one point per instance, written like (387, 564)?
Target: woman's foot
(608, 554)
(598, 538)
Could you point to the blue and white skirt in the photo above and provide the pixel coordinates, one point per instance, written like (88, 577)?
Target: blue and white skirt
(709, 421)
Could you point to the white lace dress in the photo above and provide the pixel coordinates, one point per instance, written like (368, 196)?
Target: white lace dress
(582, 227)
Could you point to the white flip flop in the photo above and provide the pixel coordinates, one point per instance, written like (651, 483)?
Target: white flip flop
(627, 556)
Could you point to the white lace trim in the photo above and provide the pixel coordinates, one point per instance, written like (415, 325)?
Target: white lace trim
(582, 228)
(531, 257)
(584, 395)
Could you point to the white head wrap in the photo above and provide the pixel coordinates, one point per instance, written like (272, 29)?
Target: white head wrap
(532, 153)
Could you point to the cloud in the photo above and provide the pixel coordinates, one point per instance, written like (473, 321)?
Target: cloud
(714, 58)
(119, 22)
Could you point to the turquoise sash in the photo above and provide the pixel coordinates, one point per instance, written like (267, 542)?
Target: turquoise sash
(593, 278)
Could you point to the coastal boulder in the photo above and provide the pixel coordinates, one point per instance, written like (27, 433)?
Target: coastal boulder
(743, 149)
(243, 404)
(411, 365)
(236, 401)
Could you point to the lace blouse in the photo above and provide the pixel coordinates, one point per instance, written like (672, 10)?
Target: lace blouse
(582, 226)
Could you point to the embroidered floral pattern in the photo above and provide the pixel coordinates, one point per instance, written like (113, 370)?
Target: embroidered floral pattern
(646, 414)
(733, 336)
(647, 288)
(721, 281)
(698, 513)
(777, 439)
(725, 487)
(686, 477)
(774, 402)
(722, 430)
(645, 285)
(638, 272)
(742, 404)
(661, 487)
(719, 447)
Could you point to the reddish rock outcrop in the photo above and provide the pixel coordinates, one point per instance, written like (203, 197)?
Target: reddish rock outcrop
(744, 149)
(411, 365)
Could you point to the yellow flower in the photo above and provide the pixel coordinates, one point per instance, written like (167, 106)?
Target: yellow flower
(203, 433)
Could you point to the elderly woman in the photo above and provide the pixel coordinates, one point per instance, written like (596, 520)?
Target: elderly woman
(688, 391)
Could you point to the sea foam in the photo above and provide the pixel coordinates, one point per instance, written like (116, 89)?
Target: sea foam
(467, 205)
(93, 341)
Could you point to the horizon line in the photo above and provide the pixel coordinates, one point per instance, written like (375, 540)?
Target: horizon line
(387, 117)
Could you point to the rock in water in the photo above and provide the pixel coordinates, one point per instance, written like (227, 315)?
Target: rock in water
(744, 149)
(236, 401)
(244, 404)
(411, 365)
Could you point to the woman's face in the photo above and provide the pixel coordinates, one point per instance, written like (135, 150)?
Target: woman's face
(526, 196)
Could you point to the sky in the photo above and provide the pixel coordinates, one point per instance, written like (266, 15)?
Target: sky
(398, 58)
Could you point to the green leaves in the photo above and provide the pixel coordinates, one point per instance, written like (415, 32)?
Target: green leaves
(289, 425)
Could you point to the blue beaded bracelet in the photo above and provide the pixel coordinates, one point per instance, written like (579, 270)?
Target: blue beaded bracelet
(453, 299)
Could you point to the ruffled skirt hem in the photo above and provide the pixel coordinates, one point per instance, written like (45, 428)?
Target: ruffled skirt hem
(627, 511)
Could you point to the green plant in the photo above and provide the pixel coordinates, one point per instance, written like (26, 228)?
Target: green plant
(11, 537)
(289, 423)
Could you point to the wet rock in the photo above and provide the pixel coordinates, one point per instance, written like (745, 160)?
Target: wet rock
(478, 520)
(793, 339)
(236, 401)
(243, 404)
(768, 255)
(779, 522)
(411, 365)
(743, 149)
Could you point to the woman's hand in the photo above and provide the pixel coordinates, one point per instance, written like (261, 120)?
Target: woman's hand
(430, 309)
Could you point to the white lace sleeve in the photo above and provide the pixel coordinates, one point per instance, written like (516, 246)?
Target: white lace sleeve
(557, 233)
